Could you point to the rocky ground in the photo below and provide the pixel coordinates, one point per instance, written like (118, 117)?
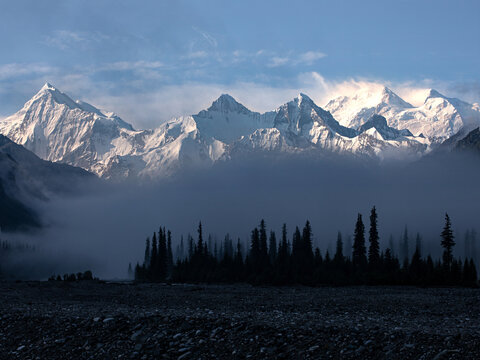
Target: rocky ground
(89, 320)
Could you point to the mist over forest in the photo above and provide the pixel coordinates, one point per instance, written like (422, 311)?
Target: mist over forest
(105, 228)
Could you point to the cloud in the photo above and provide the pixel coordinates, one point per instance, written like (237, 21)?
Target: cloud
(206, 36)
(148, 96)
(14, 70)
(278, 61)
(306, 58)
(310, 57)
(65, 39)
(131, 65)
(196, 55)
(469, 91)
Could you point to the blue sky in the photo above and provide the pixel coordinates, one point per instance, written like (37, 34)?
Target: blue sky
(150, 60)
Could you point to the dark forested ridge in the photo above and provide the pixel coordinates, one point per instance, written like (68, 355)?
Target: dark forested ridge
(292, 259)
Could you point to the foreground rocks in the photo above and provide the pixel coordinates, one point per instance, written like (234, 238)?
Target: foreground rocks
(92, 320)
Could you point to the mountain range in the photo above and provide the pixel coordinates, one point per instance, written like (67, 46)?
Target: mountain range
(375, 125)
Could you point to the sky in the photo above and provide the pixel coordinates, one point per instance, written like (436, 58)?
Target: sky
(151, 60)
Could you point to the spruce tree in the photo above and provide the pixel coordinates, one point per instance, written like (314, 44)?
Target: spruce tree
(338, 258)
(191, 247)
(418, 244)
(130, 271)
(263, 244)
(473, 245)
(466, 244)
(169, 255)
(416, 265)
(297, 264)
(473, 271)
(272, 247)
(146, 260)
(284, 244)
(391, 245)
(255, 254)
(162, 254)
(307, 243)
(154, 259)
(348, 247)
(405, 250)
(374, 249)
(447, 242)
(181, 254)
(200, 247)
(359, 257)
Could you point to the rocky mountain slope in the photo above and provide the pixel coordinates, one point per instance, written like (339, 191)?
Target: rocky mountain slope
(26, 180)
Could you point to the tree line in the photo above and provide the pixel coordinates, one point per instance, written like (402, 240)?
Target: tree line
(294, 260)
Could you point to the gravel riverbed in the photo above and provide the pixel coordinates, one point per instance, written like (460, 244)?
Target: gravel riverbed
(92, 320)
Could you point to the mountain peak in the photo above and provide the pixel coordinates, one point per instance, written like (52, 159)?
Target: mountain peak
(49, 92)
(226, 103)
(432, 93)
(48, 86)
(301, 97)
(389, 97)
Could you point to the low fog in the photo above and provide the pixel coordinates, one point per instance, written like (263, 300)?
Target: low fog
(105, 228)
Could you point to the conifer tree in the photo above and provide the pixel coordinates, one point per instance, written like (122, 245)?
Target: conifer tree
(466, 244)
(338, 258)
(391, 245)
(297, 265)
(181, 254)
(405, 250)
(154, 259)
(191, 247)
(473, 245)
(200, 247)
(169, 254)
(263, 244)
(238, 261)
(146, 260)
(374, 249)
(348, 247)
(283, 248)
(447, 242)
(162, 254)
(210, 241)
(255, 253)
(473, 271)
(296, 244)
(307, 243)
(416, 263)
(359, 257)
(272, 247)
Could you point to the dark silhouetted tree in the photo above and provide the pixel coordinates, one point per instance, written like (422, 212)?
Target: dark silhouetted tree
(447, 242)
(272, 247)
(147, 252)
(374, 249)
(359, 257)
(338, 258)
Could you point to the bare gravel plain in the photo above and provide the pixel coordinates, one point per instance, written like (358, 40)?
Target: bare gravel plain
(92, 320)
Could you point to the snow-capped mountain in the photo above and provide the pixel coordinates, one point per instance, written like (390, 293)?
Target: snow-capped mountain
(438, 118)
(354, 111)
(26, 180)
(227, 120)
(302, 125)
(56, 128)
